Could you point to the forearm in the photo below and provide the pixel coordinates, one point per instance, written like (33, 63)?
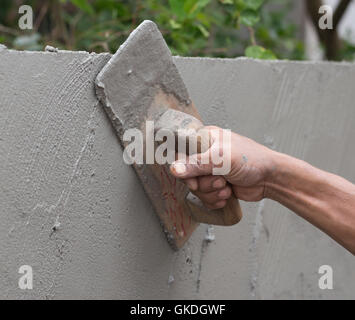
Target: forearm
(324, 199)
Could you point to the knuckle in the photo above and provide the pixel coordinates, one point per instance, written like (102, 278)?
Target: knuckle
(205, 183)
(225, 193)
(220, 204)
(207, 198)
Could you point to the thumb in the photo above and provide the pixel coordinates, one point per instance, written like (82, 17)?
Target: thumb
(199, 164)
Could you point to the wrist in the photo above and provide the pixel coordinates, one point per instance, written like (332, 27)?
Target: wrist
(277, 175)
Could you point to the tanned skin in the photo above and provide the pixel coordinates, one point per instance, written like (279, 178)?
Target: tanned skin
(324, 199)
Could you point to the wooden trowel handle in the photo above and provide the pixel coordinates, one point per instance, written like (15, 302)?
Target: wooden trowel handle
(173, 121)
(231, 214)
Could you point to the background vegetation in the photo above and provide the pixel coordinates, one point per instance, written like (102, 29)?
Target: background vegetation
(216, 28)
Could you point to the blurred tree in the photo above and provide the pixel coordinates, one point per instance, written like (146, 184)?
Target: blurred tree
(215, 28)
(329, 38)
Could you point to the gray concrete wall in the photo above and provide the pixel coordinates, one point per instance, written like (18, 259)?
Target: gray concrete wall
(61, 165)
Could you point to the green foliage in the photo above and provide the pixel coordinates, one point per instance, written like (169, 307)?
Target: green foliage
(216, 28)
(348, 52)
(277, 33)
(83, 5)
(254, 4)
(249, 11)
(249, 17)
(258, 52)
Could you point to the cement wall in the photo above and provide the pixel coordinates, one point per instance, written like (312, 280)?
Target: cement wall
(61, 165)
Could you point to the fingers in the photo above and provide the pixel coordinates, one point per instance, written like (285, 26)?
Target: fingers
(191, 183)
(205, 183)
(216, 199)
(210, 183)
(199, 164)
(196, 165)
(213, 191)
(196, 172)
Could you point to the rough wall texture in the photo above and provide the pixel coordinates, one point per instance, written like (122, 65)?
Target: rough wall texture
(61, 165)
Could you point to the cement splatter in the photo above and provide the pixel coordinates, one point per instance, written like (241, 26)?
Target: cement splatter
(257, 229)
(50, 49)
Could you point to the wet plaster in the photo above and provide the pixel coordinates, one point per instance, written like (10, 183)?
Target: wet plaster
(78, 215)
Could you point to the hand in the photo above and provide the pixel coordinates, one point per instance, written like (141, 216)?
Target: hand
(251, 166)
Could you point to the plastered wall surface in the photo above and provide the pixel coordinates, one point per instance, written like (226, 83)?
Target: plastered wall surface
(71, 209)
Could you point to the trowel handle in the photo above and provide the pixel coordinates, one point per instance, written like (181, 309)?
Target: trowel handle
(174, 121)
(231, 214)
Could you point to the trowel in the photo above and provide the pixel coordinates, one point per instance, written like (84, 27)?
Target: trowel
(139, 84)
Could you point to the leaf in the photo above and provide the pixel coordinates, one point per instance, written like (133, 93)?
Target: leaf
(204, 19)
(83, 5)
(227, 1)
(202, 3)
(240, 5)
(198, 6)
(258, 52)
(203, 30)
(249, 17)
(177, 7)
(254, 4)
(174, 25)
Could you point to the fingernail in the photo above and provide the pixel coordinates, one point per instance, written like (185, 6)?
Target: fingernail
(217, 184)
(179, 168)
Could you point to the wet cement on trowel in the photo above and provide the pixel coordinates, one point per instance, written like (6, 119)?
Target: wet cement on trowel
(139, 82)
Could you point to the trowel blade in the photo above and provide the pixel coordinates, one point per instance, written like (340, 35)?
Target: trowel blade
(128, 84)
(139, 82)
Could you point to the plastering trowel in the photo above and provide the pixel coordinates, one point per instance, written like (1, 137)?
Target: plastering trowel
(139, 83)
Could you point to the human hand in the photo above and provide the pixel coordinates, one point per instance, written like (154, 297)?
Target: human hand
(251, 166)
